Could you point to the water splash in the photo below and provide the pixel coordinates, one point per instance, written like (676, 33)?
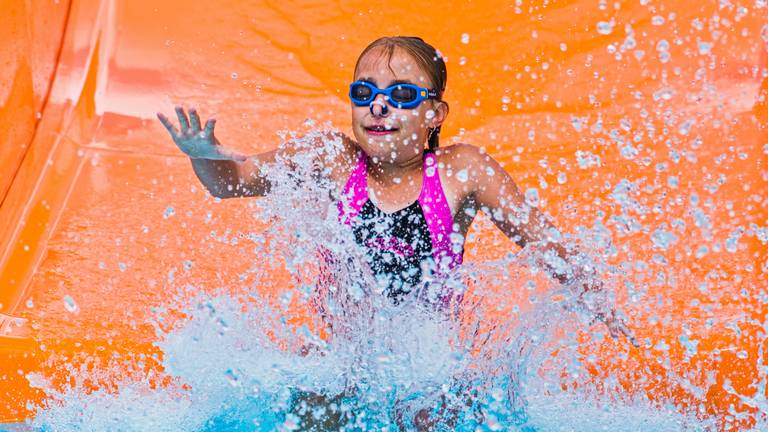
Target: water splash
(323, 353)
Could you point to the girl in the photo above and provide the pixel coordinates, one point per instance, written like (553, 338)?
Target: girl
(408, 203)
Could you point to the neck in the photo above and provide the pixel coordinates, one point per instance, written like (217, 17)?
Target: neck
(385, 173)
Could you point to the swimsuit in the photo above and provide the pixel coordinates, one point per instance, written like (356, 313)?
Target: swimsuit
(403, 246)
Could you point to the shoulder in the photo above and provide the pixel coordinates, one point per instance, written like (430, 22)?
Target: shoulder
(469, 167)
(326, 145)
(338, 154)
(462, 155)
(332, 154)
(468, 157)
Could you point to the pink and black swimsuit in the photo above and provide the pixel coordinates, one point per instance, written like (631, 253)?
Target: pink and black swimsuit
(402, 246)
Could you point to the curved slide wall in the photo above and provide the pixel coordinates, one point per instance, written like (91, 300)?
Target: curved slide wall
(645, 118)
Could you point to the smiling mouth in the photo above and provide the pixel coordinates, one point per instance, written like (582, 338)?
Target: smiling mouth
(380, 130)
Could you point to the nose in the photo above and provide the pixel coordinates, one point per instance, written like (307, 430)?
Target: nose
(382, 109)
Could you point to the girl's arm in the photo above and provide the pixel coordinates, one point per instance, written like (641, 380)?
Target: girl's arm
(223, 172)
(497, 195)
(228, 174)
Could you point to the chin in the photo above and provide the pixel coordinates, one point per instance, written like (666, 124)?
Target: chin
(374, 150)
(381, 149)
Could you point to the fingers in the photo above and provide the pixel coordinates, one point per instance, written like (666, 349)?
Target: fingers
(168, 125)
(187, 125)
(209, 125)
(194, 120)
(630, 336)
(618, 327)
(183, 121)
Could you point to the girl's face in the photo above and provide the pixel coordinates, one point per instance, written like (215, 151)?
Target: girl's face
(394, 135)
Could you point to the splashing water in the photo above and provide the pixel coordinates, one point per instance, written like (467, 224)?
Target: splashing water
(328, 350)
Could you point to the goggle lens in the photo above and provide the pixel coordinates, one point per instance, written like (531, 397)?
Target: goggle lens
(361, 92)
(403, 94)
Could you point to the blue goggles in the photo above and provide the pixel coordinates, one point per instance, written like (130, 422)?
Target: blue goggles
(403, 96)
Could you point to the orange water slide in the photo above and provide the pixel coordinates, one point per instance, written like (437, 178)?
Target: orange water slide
(99, 213)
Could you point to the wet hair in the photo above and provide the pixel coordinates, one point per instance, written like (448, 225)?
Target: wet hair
(428, 59)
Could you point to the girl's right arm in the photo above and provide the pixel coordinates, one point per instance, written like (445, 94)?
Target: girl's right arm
(223, 172)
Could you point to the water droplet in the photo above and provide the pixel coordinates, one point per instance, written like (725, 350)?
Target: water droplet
(169, 211)
(232, 378)
(673, 182)
(586, 159)
(663, 94)
(576, 122)
(629, 152)
(742, 355)
(732, 243)
(657, 20)
(465, 38)
(234, 75)
(705, 47)
(663, 239)
(604, 27)
(562, 178)
(70, 305)
(686, 126)
(532, 197)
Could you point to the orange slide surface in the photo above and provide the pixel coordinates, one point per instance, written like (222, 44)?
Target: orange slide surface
(665, 102)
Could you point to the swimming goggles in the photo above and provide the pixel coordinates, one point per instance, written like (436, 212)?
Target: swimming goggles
(403, 96)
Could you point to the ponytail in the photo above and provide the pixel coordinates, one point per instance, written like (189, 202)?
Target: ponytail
(434, 138)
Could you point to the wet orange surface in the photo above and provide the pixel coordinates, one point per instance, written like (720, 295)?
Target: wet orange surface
(573, 97)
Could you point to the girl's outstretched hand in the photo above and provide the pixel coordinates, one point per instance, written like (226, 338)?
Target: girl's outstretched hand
(194, 141)
(617, 326)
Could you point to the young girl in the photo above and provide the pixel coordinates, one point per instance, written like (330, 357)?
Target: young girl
(392, 180)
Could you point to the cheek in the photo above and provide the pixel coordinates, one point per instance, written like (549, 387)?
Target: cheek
(412, 120)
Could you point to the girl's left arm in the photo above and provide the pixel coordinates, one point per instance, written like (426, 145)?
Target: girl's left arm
(497, 195)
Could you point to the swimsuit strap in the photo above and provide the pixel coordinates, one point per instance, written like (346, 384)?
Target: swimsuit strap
(438, 215)
(355, 191)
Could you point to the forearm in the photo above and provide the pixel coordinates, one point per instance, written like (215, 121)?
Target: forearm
(220, 177)
(225, 179)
